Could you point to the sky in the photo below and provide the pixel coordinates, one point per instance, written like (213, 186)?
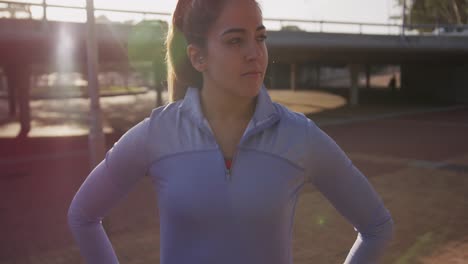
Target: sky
(368, 11)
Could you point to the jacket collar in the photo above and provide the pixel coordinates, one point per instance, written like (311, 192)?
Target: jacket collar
(265, 112)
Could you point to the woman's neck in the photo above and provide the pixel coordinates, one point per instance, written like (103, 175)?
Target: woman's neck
(220, 105)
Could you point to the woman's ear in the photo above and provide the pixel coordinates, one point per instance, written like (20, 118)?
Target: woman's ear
(196, 57)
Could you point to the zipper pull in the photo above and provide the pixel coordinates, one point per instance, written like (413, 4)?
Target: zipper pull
(228, 168)
(228, 174)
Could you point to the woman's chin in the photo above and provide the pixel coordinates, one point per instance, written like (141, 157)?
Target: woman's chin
(249, 90)
(251, 87)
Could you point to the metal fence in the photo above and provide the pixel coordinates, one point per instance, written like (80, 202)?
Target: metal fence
(27, 6)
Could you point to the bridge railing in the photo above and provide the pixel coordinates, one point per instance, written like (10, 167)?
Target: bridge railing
(38, 9)
(365, 27)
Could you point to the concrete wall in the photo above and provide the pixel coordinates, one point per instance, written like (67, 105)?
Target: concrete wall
(435, 83)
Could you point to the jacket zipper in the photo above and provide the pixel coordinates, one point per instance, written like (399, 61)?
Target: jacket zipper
(230, 170)
(227, 172)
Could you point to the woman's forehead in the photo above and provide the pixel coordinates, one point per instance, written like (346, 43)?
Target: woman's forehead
(243, 14)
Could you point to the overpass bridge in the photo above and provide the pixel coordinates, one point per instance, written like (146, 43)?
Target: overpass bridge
(37, 42)
(437, 64)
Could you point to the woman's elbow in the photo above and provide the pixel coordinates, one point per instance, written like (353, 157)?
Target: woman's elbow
(75, 216)
(383, 231)
(388, 230)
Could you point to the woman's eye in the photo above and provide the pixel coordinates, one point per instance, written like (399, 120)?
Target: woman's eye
(235, 41)
(262, 38)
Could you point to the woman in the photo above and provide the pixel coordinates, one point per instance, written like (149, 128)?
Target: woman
(227, 163)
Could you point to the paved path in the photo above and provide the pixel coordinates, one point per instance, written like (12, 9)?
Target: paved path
(69, 117)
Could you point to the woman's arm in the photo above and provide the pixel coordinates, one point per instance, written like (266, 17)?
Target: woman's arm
(110, 181)
(334, 175)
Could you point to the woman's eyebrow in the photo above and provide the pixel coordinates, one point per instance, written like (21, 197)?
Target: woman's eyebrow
(241, 30)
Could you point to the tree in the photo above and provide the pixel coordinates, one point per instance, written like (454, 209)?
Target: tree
(290, 28)
(146, 44)
(103, 19)
(445, 12)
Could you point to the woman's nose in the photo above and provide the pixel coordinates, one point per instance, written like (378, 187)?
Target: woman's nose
(253, 51)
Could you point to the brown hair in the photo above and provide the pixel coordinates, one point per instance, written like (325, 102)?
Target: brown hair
(191, 22)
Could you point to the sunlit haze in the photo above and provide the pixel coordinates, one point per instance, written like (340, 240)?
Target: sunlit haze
(367, 11)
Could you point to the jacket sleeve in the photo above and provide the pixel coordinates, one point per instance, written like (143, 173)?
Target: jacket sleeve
(111, 180)
(348, 190)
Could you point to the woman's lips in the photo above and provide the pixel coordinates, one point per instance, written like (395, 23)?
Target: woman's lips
(252, 74)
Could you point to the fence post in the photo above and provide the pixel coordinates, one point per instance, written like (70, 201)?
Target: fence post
(96, 135)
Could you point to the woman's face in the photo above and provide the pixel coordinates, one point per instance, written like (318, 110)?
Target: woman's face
(236, 53)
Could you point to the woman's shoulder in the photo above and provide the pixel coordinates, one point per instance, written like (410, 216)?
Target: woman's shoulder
(290, 117)
(166, 110)
(159, 117)
(163, 114)
(299, 124)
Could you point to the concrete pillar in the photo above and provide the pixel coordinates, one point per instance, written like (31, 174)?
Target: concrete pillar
(403, 79)
(317, 74)
(368, 68)
(11, 94)
(293, 77)
(19, 79)
(354, 89)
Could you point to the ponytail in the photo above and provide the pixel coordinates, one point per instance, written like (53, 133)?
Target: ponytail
(190, 24)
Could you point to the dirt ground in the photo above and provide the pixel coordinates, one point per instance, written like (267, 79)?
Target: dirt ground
(416, 157)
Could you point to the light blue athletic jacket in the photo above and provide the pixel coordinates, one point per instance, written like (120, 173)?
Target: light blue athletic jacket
(209, 215)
